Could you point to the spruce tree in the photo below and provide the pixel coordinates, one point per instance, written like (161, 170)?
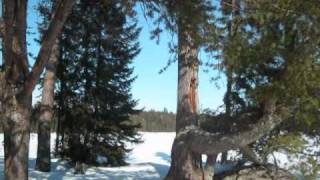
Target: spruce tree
(95, 77)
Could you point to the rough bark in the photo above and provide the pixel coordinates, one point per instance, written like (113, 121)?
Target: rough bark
(16, 140)
(186, 164)
(195, 140)
(45, 114)
(18, 83)
(15, 114)
(15, 108)
(203, 142)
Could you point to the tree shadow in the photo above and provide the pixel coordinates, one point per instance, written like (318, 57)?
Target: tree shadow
(59, 170)
(141, 171)
(164, 156)
(62, 170)
(1, 168)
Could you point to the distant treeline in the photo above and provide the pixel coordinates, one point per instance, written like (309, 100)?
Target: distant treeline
(151, 121)
(156, 121)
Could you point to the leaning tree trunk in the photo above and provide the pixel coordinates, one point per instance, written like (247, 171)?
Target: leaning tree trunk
(46, 113)
(186, 164)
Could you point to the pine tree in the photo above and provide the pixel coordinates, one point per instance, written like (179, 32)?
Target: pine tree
(277, 51)
(95, 77)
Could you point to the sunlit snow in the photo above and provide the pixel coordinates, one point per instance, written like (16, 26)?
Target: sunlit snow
(149, 160)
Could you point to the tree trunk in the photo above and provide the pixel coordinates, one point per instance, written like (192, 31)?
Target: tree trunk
(185, 164)
(182, 164)
(16, 138)
(16, 105)
(17, 82)
(45, 116)
(208, 171)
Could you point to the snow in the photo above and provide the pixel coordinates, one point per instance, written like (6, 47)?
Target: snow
(101, 159)
(149, 160)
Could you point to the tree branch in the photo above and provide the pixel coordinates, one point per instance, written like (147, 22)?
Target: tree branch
(203, 142)
(55, 27)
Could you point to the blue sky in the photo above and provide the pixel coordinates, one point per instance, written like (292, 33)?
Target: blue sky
(151, 89)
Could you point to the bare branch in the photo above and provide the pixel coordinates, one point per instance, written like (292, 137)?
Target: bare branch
(60, 16)
(203, 142)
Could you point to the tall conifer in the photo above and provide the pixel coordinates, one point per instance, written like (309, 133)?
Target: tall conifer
(95, 76)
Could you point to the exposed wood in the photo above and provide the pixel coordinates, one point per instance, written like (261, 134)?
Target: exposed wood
(186, 164)
(187, 107)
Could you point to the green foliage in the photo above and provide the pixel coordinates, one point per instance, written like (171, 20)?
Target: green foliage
(290, 142)
(93, 101)
(156, 121)
(295, 147)
(308, 170)
(176, 16)
(268, 49)
(274, 52)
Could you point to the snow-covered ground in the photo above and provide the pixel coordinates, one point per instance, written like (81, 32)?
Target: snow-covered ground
(149, 160)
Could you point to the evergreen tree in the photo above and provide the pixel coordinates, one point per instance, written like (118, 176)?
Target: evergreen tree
(276, 55)
(94, 99)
